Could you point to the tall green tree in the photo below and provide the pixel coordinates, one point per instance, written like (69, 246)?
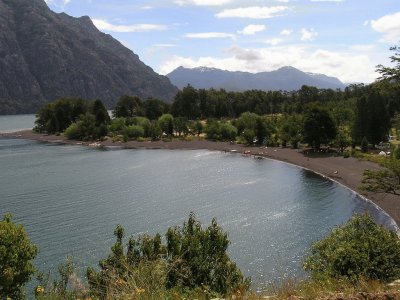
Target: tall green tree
(56, 116)
(128, 107)
(16, 259)
(187, 103)
(154, 108)
(100, 112)
(319, 127)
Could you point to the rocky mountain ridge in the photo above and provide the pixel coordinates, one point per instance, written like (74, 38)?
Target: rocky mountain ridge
(285, 78)
(45, 55)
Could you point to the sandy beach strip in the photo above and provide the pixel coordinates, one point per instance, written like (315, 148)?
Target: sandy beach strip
(346, 171)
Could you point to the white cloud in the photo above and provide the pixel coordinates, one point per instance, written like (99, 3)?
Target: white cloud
(308, 35)
(348, 66)
(105, 25)
(274, 41)
(327, 0)
(389, 26)
(209, 35)
(62, 4)
(164, 45)
(202, 2)
(253, 12)
(286, 32)
(363, 48)
(252, 29)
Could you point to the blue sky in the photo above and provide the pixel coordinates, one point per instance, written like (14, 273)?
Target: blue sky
(341, 38)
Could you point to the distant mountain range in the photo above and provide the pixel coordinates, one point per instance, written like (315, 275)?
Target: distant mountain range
(45, 55)
(285, 79)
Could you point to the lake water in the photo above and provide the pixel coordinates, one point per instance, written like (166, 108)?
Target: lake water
(70, 199)
(16, 122)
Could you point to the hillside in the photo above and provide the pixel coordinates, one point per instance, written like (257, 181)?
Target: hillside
(285, 79)
(45, 55)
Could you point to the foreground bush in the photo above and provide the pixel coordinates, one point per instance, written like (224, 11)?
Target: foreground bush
(358, 249)
(192, 259)
(16, 255)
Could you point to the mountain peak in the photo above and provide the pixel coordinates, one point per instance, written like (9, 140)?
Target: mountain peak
(47, 55)
(285, 78)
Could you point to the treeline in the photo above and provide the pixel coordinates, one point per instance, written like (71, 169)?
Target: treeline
(359, 115)
(310, 115)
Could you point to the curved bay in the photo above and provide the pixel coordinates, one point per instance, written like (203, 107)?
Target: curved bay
(70, 198)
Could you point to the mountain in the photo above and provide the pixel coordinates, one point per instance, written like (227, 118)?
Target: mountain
(286, 79)
(45, 55)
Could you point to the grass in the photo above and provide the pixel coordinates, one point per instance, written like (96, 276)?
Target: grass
(148, 286)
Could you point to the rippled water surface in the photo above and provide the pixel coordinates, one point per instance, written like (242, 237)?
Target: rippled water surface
(16, 122)
(70, 198)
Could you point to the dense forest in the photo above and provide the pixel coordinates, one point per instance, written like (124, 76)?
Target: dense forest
(313, 116)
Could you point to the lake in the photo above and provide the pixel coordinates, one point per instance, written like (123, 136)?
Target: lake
(70, 199)
(16, 122)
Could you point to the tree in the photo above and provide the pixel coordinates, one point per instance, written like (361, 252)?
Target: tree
(187, 103)
(55, 117)
(134, 132)
(343, 139)
(166, 123)
(198, 126)
(358, 249)
(127, 107)
(248, 135)
(261, 131)
(212, 130)
(319, 127)
(85, 129)
(101, 114)
(290, 130)
(181, 125)
(154, 108)
(227, 132)
(391, 73)
(16, 255)
(194, 257)
(361, 121)
(247, 120)
(364, 145)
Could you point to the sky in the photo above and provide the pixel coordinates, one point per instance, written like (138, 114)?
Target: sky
(341, 38)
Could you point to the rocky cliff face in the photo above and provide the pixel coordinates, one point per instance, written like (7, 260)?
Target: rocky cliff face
(45, 55)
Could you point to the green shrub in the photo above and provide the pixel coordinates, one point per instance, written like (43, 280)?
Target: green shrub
(227, 132)
(16, 255)
(357, 250)
(192, 258)
(134, 131)
(73, 132)
(118, 125)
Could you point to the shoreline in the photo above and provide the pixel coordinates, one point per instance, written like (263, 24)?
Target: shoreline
(344, 171)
